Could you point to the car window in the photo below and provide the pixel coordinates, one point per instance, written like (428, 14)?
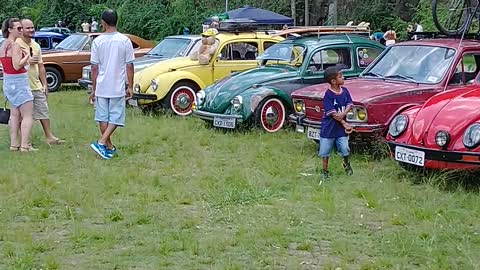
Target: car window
(323, 59)
(466, 70)
(365, 56)
(267, 44)
(239, 51)
(56, 41)
(43, 42)
(135, 45)
(87, 46)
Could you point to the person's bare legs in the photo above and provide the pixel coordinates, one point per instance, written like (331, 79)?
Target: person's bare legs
(107, 131)
(103, 127)
(26, 112)
(48, 132)
(14, 126)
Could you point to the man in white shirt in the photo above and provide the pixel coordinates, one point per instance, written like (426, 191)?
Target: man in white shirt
(112, 69)
(94, 25)
(85, 27)
(418, 27)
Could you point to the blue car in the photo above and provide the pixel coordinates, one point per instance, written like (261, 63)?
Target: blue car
(48, 40)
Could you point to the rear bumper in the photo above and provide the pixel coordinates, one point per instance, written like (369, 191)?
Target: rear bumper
(210, 116)
(440, 159)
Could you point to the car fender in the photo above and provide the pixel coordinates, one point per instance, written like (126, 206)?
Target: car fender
(56, 66)
(399, 111)
(254, 96)
(167, 80)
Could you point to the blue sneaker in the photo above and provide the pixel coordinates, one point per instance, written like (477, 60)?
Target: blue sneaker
(111, 152)
(100, 149)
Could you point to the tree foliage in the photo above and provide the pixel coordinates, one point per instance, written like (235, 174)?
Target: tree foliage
(154, 19)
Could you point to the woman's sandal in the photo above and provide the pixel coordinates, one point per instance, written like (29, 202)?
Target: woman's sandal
(14, 148)
(28, 149)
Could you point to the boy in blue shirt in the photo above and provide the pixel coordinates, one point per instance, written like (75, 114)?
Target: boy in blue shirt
(337, 102)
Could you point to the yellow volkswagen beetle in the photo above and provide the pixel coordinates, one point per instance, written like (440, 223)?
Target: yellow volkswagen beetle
(172, 84)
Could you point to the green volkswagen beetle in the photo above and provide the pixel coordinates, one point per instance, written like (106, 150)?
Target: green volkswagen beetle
(261, 96)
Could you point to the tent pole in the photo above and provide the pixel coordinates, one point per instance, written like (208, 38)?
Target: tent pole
(226, 5)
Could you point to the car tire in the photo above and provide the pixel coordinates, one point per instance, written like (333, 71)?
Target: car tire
(270, 115)
(54, 79)
(181, 97)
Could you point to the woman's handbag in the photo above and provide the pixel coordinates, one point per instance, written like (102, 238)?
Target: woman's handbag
(4, 114)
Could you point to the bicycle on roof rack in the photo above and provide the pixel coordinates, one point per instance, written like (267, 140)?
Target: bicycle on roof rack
(455, 17)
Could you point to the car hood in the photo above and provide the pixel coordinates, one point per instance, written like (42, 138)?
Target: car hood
(145, 76)
(141, 62)
(57, 53)
(364, 90)
(452, 111)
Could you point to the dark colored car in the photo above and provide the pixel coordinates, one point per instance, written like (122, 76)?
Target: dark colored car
(261, 96)
(405, 75)
(60, 30)
(444, 133)
(48, 40)
(169, 47)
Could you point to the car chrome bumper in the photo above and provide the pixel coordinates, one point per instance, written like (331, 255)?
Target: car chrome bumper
(145, 96)
(210, 116)
(441, 159)
(301, 120)
(84, 83)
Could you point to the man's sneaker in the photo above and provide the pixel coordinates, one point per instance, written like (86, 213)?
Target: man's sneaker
(348, 168)
(111, 152)
(325, 175)
(100, 149)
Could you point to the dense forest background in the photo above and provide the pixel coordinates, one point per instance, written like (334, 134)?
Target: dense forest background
(154, 19)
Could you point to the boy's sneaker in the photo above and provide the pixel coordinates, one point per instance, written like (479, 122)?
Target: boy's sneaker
(111, 152)
(325, 175)
(100, 149)
(348, 168)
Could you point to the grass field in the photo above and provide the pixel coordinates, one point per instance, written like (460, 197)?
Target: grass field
(182, 196)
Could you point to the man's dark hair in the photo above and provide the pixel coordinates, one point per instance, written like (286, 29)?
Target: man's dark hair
(332, 72)
(110, 17)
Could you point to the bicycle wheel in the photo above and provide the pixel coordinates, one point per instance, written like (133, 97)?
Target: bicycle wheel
(451, 17)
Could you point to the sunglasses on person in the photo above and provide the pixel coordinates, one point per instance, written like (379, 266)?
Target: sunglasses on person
(18, 28)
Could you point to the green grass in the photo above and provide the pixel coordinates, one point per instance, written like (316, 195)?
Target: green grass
(182, 196)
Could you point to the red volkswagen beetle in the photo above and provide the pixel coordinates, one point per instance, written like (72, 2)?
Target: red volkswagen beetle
(405, 75)
(444, 133)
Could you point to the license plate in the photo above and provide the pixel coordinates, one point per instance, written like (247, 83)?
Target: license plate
(410, 156)
(224, 122)
(313, 133)
(133, 102)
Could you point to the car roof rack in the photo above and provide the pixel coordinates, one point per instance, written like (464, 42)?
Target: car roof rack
(434, 35)
(238, 25)
(325, 30)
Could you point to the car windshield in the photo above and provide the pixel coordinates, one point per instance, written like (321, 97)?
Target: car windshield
(420, 64)
(72, 43)
(170, 47)
(283, 53)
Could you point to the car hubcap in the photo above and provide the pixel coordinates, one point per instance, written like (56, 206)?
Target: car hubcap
(51, 80)
(182, 101)
(272, 116)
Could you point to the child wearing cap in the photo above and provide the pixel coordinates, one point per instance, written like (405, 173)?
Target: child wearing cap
(337, 102)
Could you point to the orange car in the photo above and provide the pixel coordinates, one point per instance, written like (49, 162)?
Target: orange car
(65, 62)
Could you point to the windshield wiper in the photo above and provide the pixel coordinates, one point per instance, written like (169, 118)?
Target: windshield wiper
(410, 79)
(156, 54)
(374, 74)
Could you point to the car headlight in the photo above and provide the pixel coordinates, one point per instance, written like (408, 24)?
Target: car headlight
(154, 85)
(86, 74)
(299, 105)
(471, 139)
(361, 114)
(398, 126)
(137, 88)
(357, 114)
(200, 97)
(442, 138)
(237, 103)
